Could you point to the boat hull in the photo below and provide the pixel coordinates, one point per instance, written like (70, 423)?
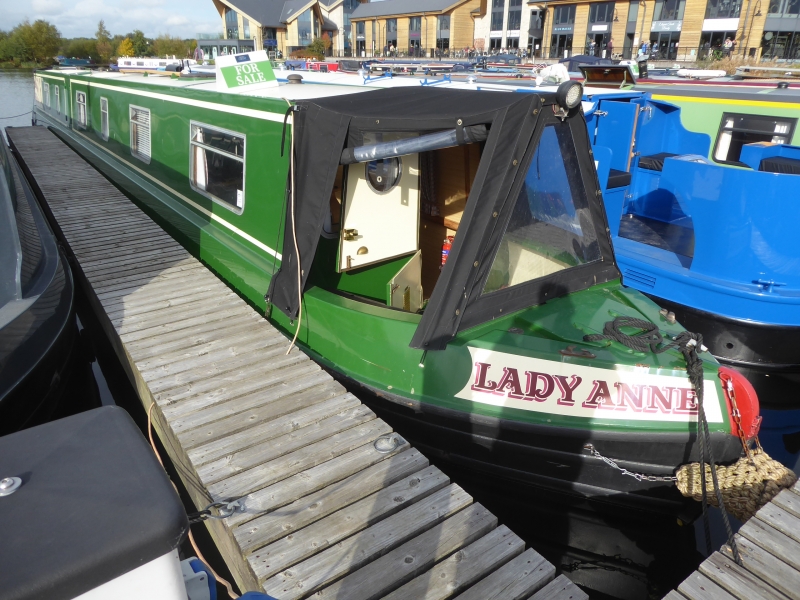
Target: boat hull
(553, 459)
(766, 354)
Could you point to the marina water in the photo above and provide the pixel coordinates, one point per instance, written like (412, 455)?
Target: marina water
(610, 553)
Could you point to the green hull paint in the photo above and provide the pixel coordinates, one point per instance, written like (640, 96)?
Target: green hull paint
(365, 342)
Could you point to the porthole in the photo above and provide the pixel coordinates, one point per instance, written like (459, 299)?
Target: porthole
(384, 174)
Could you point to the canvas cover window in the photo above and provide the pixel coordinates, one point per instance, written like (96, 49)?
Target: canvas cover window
(58, 100)
(550, 229)
(140, 133)
(217, 164)
(80, 102)
(104, 118)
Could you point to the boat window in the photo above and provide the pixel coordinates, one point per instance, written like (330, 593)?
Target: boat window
(140, 133)
(550, 228)
(736, 130)
(163, 63)
(217, 164)
(37, 90)
(383, 175)
(140, 63)
(127, 62)
(80, 101)
(46, 95)
(58, 100)
(104, 118)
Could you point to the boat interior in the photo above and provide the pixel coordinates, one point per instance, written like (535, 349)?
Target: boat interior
(661, 189)
(438, 182)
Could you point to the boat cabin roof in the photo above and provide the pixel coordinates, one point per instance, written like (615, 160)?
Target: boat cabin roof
(323, 85)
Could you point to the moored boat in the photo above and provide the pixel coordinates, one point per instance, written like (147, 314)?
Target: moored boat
(483, 353)
(700, 194)
(37, 326)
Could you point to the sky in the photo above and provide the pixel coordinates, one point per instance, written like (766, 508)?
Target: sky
(79, 18)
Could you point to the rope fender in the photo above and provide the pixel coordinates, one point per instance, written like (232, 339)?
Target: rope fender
(741, 488)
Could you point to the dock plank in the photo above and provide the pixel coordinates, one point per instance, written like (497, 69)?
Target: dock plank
(240, 419)
(737, 580)
(560, 588)
(324, 533)
(773, 541)
(463, 567)
(309, 509)
(767, 567)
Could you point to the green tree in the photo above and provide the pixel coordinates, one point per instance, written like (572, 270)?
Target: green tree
(125, 48)
(103, 44)
(317, 47)
(166, 45)
(82, 48)
(140, 43)
(39, 42)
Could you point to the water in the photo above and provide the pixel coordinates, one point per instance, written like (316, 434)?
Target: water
(16, 97)
(609, 553)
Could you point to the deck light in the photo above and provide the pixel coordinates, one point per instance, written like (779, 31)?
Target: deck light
(569, 94)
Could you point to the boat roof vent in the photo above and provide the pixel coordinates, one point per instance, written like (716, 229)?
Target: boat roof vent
(295, 78)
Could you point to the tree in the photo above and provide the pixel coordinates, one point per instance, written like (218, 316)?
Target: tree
(104, 47)
(38, 42)
(317, 47)
(125, 48)
(82, 48)
(140, 43)
(166, 45)
(326, 41)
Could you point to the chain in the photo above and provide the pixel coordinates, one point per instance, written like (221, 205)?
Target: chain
(224, 510)
(636, 476)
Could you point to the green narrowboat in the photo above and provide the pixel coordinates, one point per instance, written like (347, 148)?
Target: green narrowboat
(443, 249)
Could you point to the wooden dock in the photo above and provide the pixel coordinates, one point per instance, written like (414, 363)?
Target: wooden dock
(769, 546)
(325, 512)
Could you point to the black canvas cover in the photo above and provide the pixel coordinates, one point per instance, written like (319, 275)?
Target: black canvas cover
(573, 62)
(323, 127)
(515, 121)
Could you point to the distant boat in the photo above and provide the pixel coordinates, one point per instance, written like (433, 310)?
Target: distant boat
(153, 65)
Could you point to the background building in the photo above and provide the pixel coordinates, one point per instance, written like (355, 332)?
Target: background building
(414, 27)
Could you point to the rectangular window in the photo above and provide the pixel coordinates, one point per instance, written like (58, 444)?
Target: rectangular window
(498, 4)
(104, 118)
(737, 130)
(633, 12)
(514, 19)
(602, 12)
(669, 10)
(246, 25)
(80, 103)
(564, 15)
(415, 24)
(46, 89)
(37, 90)
(140, 133)
(391, 25)
(723, 9)
(58, 100)
(217, 164)
(497, 21)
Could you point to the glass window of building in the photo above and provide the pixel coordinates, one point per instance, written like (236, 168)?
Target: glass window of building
(633, 12)
(497, 15)
(669, 10)
(514, 15)
(723, 9)
(601, 12)
(564, 15)
(304, 28)
(246, 27)
(784, 7)
(780, 44)
(231, 25)
(415, 24)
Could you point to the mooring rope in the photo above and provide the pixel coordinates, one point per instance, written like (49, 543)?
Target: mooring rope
(649, 338)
